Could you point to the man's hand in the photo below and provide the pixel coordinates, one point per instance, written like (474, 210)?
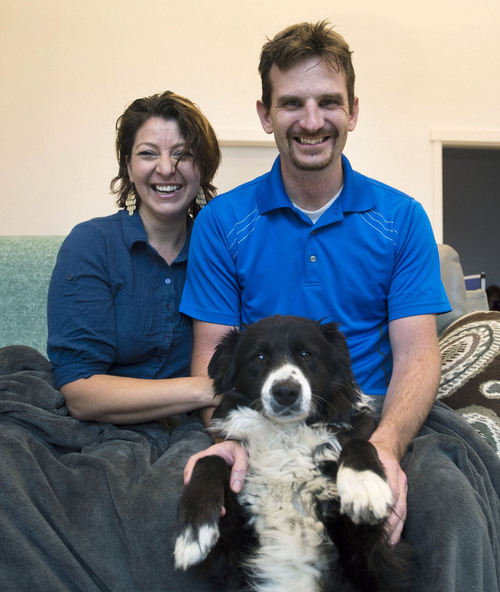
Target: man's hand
(399, 488)
(235, 456)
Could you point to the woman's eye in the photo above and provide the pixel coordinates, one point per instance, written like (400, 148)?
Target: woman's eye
(147, 154)
(186, 156)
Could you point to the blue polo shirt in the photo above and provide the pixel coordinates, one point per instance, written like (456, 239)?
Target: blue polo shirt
(113, 305)
(369, 259)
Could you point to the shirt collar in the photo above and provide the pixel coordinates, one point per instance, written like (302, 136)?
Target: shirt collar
(133, 229)
(134, 232)
(355, 197)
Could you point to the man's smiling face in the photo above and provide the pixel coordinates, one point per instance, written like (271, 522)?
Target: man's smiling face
(309, 114)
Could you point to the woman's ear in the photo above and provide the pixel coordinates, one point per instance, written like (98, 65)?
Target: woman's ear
(129, 169)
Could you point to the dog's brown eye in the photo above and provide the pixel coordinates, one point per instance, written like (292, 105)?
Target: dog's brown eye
(259, 358)
(305, 354)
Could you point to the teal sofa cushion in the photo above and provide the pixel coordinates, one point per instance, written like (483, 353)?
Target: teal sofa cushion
(26, 264)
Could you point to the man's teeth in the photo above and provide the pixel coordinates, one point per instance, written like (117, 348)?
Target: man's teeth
(167, 188)
(311, 141)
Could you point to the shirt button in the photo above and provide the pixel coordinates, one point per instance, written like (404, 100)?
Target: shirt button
(312, 258)
(168, 281)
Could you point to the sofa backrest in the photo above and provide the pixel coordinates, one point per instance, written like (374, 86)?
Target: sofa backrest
(26, 264)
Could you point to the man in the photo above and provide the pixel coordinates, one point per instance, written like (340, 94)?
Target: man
(316, 239)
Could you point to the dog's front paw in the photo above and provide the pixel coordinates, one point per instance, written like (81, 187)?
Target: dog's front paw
(364, 496)
(192, 546)
(198, 515)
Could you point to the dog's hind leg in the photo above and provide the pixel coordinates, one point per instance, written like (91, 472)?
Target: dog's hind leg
(358, 531)
(197, 530)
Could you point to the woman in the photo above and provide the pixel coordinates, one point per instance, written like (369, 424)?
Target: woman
(92, 505)
(119, 348)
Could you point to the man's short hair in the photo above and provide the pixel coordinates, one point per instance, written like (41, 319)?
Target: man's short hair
(302, 41)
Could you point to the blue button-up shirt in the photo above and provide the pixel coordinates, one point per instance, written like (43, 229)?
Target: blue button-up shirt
(113, 305)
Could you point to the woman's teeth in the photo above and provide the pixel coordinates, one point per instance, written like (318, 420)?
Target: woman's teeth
(166, 188)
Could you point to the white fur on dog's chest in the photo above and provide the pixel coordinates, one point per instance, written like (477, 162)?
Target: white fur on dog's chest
(281, 490)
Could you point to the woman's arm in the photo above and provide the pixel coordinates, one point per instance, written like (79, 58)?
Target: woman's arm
(122, 400)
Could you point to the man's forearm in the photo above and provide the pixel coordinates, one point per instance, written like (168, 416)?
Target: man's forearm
(405, 410)
(412, 390)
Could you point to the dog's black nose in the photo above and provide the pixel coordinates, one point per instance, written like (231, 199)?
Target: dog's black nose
(286, 393)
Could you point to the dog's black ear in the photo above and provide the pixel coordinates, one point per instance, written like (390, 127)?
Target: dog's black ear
(342, 360)
(337, 340)
(222, 365)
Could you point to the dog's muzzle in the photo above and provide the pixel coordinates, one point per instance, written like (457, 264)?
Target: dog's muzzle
(286, 394)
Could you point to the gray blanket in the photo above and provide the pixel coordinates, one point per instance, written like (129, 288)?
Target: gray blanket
(85, 506)
(453, 505)
(90, 506)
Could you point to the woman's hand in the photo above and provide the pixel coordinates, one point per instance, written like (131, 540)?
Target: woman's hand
(207, 412)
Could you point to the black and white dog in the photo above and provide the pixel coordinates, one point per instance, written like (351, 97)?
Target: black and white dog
(312, 511)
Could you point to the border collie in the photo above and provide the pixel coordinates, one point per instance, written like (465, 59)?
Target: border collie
(311, 515)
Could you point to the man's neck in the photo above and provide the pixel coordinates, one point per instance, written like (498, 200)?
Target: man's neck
(311, 190)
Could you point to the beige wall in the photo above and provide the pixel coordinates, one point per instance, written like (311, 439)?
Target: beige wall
(69, 67)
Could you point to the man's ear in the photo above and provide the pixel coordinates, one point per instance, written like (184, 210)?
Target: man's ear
(353, 115)
(265, 118)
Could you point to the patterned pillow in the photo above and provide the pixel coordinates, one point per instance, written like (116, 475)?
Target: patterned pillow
(470, 378)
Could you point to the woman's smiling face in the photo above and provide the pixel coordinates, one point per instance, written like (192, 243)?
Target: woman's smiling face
(165, 176)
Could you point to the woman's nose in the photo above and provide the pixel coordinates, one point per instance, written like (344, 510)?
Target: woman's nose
(165, 165)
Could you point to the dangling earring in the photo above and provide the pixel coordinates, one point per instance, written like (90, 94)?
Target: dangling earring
(201, 200)
(131, 203)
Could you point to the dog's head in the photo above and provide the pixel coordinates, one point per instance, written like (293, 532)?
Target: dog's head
(290, 368)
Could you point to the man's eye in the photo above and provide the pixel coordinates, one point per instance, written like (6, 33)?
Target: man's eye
(329, 103)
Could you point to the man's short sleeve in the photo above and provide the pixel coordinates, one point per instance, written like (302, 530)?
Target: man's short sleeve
(211, 292)
(416, 286)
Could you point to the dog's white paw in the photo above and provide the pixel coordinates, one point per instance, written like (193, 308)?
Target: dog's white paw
(364, 496)
(192, 548)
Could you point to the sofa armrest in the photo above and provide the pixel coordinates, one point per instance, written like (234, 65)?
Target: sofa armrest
(476, 300)
(453, 280)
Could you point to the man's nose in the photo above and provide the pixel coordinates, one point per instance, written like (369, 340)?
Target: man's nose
(312, 118)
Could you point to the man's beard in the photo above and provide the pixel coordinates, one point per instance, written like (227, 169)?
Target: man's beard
(303, 164)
